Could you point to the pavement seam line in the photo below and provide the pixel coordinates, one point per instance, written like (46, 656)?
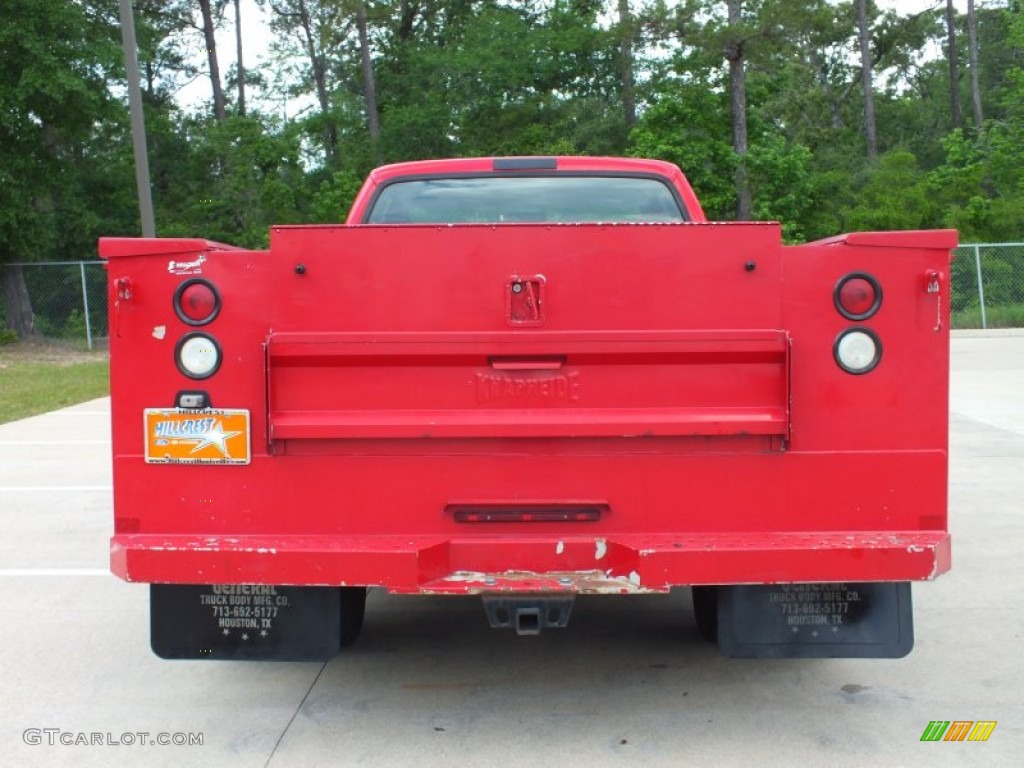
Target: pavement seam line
(19, 443)
(294, 715)
(36, 488)
(17, 572)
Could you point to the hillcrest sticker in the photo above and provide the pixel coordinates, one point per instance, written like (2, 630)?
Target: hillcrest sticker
(211, 436)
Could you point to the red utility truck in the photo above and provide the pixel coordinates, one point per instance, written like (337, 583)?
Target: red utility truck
(530, 379)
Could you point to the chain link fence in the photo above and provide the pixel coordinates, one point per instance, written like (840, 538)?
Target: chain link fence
(988, 286)
(69, 298)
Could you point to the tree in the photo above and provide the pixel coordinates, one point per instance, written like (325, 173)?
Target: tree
(1003, 184)
(319, 30)
(491, 77)
(237, 177)
(953, 58)
(690, 126)
(240, 67)
(56, 117)
(369, 82)
(626, 34)
(734, 53)
(164, 48)
(864, 42)
(972, 64)
(209, 31)
(895, 196)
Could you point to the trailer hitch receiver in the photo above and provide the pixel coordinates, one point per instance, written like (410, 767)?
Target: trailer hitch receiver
(527, 615)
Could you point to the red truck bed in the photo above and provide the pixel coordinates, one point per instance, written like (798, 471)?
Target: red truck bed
(531, 409)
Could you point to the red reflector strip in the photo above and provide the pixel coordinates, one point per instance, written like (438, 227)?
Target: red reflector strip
(526, 514)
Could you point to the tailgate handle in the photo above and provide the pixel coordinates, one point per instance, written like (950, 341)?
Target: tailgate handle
(526, 363)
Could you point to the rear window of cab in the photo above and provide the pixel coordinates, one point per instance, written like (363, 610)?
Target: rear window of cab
(526, 199)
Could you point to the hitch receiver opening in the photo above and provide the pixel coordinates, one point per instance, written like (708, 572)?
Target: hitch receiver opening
(527, 615)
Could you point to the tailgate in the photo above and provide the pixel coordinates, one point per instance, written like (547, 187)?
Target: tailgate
(549, 385)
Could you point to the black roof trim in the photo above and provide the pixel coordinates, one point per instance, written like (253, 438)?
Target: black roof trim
(525, 164)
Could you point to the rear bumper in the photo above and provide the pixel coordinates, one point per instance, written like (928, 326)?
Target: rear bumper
(581, 564)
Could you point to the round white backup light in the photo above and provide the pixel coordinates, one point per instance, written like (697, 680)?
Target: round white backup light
(858, 350)
(198, 356)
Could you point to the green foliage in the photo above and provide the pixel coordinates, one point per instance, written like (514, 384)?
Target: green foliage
(958, 186)
(74, 326)
(688, 125)
(60, 180)
(334, 197)
(501, 79)
(239, 177)
(781, 182)
(893, 195)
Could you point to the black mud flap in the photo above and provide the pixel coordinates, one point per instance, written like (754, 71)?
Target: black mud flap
(813, 621)
(245, 621)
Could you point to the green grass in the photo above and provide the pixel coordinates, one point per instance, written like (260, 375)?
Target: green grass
(1006, 316)
(31, 383)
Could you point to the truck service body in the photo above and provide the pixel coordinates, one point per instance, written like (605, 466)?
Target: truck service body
(530, 379)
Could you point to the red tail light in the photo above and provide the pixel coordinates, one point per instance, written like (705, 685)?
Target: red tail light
(196, 302)
(858, 296)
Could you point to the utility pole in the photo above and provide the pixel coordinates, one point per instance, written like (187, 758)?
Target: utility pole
(131, 63)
